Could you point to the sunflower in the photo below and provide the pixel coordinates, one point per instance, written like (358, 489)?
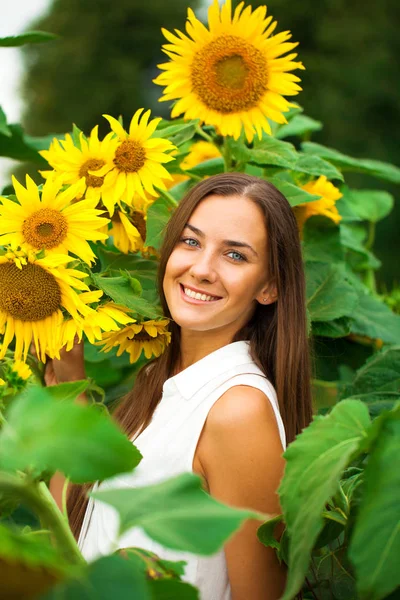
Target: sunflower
(324, 206)
(128, 230)
(33, 294)
(137, 164)
(150, 336)
(21, 369)
(232, 75)
(73, 162)
(50, 221)
(200, 152)
(107, 317)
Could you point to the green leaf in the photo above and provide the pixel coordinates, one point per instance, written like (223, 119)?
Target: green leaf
(315, 462)
(67, 391)
(23, 147)
(270, 151)
(176, 513)
(321, 240)
(316, 166)
(213, 166)
(369, 205)
(375, 320)
(81, 442)
(30, 37)
(298, 126)
(377, 402)
(171, 589)
(375, 168)
(144, 269)
(293, 194)
(333, 329)
(29, 564)
(380, 373)
(353, 236)
(4, 130)
(158, 216)
(375, 543)
(119, 289)
(108, 578)
(178, 134)
(329, 294)
(265, 533)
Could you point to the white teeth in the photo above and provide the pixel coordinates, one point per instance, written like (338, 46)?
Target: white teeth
(198, 296)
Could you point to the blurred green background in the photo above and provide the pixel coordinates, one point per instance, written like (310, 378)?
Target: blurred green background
(106, 56)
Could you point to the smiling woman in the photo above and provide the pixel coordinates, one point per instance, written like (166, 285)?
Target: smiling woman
(231, 388)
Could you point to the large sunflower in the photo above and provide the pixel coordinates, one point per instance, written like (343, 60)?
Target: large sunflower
(73, 162)
(50, 220)
(151, 337)
(138, 161)
(34, 293)
(232, 75)
(325, 206)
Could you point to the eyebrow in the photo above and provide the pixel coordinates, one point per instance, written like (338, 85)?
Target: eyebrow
(233, 243)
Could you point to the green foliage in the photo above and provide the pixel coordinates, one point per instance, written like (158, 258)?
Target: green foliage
(199, 525)
(30, 37)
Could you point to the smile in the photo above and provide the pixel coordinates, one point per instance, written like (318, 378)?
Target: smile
(199, 296)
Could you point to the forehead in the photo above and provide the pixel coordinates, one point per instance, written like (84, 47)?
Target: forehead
(230, 217)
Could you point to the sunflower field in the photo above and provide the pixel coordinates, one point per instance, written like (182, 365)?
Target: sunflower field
(78, 261)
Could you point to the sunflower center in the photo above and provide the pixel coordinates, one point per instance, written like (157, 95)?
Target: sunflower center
(130, 156)
(28, 294)
(229, 74)
(92, 164)
(143, 336)
(138, 221)
(45, 228)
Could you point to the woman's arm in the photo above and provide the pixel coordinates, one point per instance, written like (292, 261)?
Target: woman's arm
(241, 455)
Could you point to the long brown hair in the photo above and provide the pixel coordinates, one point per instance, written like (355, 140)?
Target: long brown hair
(277, 332)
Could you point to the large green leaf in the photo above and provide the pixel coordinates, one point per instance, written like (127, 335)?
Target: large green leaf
(315, 462)
(178, 134)
(377, 402)
(171, 589)
(80, 441)
(158, 216)
(375, 320)
(108, 578)
(332, 329)
(144, 269)
(298, 126)
(4, 130)
(29, 37)
(69, 390)
(270, 151)
(213, 166)
(176, 513)
(381, 373)
(321, 240)
(371, 167)
(23, 147)
(375, 544)
(329, 293)
(316, 166)
(120, 290)
(353, 237)
(29, 564)
(369, 205)
(293, 193)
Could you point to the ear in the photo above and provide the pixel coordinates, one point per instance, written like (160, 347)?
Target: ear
(268, 295)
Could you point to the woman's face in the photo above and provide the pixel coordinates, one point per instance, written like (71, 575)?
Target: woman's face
(218, 270)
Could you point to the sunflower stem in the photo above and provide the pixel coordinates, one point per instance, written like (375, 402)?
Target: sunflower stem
(38, 497)
(226, 153)
(167, 196)
(204, 135)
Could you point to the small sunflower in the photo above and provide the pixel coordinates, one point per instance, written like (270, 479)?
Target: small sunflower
(128, 230)
(50, 220)
(22, 370)
(33, 295)
(72, 163)
(107, 317)
(325, 206)
(138, 161)
(200, 152)
(232, 75)
(151, 337)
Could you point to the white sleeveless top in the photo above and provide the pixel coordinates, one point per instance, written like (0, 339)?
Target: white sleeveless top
(168, 446)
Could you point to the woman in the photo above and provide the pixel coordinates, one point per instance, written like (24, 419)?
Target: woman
(233, 386)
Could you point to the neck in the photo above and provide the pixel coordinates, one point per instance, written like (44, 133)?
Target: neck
(195, 345)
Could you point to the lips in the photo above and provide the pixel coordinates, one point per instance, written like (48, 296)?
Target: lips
(197, 294)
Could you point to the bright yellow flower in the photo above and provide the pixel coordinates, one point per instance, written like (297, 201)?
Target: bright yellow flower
(50, 220)
(138, 161)
(232, 75)
(2, 382)
(21, 369)
(324, 206)
(71, 163)
(200, 152)
(33, 293)
(151, 337)
(107, 317)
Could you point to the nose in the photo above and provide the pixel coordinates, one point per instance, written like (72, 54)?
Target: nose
(203, 267)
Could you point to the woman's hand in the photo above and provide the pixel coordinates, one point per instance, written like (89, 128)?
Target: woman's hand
(70, 367)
